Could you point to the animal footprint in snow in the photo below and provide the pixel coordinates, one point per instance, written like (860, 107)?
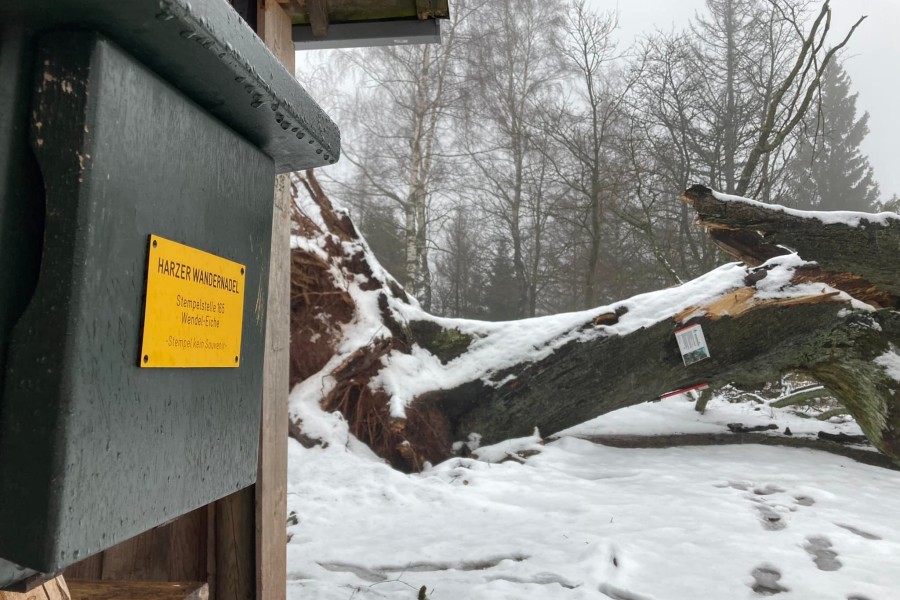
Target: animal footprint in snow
(766, 581)
(767, 490)
(804, 500)
(771, 520)
(819, 548)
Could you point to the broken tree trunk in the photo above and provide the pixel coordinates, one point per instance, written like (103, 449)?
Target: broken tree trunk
(855, 252)
(412, 384)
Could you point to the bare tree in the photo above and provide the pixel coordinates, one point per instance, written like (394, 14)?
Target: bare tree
(664, 147)
(511, 61)
(583, 128)
(794, 93)
(563, 154)
(721, 104)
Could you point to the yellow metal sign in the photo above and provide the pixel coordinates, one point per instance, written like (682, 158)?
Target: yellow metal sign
(194, 308)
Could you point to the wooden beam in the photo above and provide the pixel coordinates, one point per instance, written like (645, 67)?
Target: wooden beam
(424, 8)
(274, 28)
(271, 486)
(318, 17)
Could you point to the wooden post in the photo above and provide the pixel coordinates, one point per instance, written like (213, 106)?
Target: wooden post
(246, 568)
(274, 27)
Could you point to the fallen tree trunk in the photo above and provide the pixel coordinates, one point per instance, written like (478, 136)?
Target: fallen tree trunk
(817, 334)
(412, 384)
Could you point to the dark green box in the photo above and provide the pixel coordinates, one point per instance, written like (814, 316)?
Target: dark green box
(97, 152)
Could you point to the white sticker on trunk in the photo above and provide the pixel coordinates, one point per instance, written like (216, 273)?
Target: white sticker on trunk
(692, 344)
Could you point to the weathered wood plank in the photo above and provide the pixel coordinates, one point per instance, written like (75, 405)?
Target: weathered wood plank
(274, 28)
(187, 553)
(141, 557)
(211, 568)
(235, 547)
(54, 589)
(89, 568)
(138, 590)
(271, 486)
(176, 551)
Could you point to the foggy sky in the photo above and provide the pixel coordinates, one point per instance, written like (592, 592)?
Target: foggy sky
(871, 58)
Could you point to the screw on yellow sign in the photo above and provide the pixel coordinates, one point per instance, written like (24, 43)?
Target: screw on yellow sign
(194, 308)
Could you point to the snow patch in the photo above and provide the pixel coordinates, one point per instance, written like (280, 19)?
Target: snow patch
(303, 403)
(512, 448)
(890, 362)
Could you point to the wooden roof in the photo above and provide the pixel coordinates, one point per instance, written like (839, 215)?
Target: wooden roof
(320, 24)
(308, 12)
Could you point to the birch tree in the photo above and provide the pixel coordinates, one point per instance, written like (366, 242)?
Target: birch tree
(400, 108)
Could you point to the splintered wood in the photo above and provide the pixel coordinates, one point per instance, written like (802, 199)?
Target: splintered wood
(743, 300)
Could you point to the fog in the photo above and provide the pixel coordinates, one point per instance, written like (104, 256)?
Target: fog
(872, 59)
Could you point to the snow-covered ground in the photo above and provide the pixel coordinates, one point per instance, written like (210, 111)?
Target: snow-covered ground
(573, 519)
(579, 520)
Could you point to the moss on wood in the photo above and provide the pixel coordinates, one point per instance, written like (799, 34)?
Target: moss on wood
(446, 344)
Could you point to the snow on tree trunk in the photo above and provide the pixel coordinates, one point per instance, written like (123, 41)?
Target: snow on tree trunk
(410, 384)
